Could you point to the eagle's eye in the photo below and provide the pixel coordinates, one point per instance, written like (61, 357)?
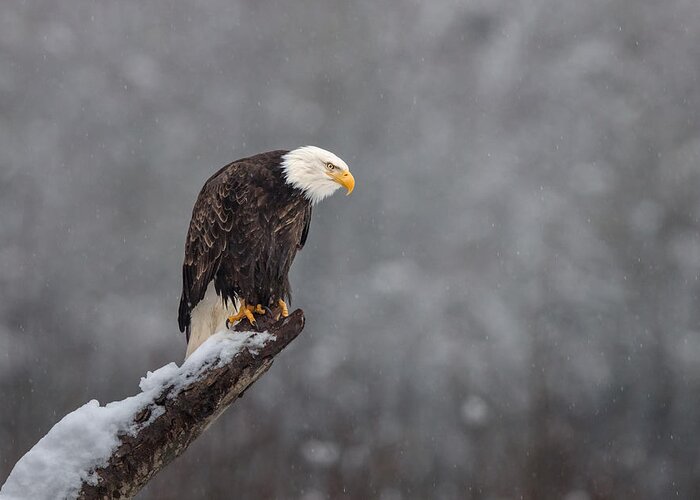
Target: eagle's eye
(330, 166)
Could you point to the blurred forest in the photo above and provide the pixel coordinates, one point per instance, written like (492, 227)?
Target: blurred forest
(506, 307)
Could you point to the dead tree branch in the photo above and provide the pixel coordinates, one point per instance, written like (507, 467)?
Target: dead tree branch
(188, 411)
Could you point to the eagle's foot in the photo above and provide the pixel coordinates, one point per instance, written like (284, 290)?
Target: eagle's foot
(259, 309)
(245, 311)
(284, 310)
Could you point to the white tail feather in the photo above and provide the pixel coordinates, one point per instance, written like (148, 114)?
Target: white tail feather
(207, 318)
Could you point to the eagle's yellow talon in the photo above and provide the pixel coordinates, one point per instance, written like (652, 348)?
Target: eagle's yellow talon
(259, 309)
(248, 312)
(283, 308)
(245, 311)
(236, 317)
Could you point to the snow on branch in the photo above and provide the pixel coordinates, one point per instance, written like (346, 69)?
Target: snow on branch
(112, 451)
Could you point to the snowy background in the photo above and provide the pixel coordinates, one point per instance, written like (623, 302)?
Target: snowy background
(508, 305)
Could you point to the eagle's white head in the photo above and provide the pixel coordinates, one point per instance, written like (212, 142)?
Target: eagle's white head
(316, 172)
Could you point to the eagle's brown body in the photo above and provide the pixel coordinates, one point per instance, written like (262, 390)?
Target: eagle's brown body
(247, 226)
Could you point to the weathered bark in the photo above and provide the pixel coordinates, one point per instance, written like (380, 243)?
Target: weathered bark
(188, 412)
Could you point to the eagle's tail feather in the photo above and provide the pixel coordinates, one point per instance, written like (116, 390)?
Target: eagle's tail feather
(208, 317)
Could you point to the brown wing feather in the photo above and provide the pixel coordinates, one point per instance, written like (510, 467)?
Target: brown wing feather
(307, 224)
(213, 217)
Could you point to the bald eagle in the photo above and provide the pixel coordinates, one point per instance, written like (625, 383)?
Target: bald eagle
(249, 220)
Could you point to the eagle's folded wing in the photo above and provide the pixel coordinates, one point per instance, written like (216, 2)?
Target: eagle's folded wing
(213, 219)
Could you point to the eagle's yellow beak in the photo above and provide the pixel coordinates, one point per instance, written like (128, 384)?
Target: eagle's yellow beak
(345, 179)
